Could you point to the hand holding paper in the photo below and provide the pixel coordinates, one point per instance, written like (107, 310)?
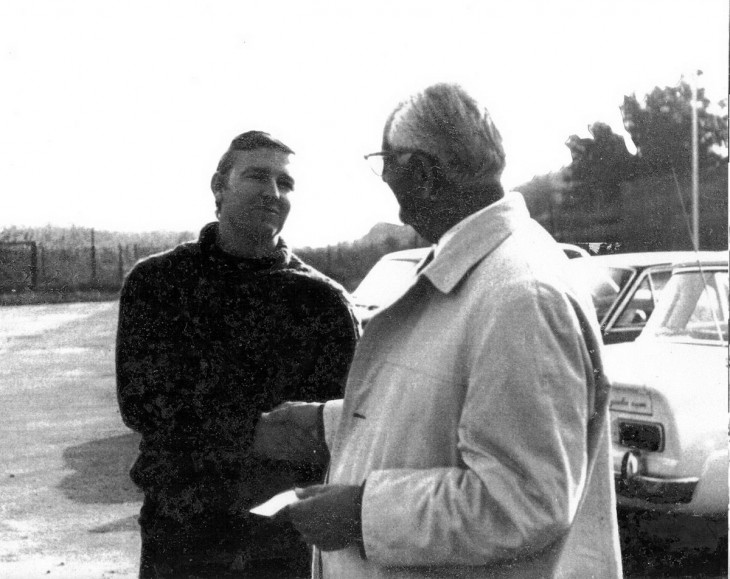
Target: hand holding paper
(328, 516)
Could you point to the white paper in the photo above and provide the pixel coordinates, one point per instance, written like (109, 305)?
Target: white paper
(275, 504)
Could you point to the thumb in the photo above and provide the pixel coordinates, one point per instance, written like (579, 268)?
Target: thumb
(310, 491)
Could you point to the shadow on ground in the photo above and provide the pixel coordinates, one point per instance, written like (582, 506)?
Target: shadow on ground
(101, 471)
(121, 525)
(659, 545)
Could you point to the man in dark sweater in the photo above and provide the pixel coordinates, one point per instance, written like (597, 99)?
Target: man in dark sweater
(211, 334)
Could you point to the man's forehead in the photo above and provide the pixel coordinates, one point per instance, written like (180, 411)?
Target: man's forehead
(263, 157)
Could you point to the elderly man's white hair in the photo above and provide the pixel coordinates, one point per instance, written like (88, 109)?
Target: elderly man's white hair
(449, 124)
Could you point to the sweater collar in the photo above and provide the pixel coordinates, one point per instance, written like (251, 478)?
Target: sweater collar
(473, 239)
(208, 242)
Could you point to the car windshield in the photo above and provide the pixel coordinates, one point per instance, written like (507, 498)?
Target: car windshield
(386, 281)
(693, 307)
(603, 282)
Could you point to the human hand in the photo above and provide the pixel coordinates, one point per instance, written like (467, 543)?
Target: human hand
(291, 432)
(328, 516)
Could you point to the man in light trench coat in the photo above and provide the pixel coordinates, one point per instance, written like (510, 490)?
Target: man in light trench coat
(473, 437)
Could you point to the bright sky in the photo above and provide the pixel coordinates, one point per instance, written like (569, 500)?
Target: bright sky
(113, 114)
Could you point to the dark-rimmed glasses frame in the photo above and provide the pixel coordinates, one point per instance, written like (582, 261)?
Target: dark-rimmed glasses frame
(376, 161)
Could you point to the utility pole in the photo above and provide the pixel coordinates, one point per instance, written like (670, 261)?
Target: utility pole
(695, 168)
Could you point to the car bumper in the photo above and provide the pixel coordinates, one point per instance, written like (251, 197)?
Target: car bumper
(705, 495)
(656, 491)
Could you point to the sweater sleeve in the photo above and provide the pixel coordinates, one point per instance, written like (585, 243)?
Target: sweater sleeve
(148, 354)
(333, 334)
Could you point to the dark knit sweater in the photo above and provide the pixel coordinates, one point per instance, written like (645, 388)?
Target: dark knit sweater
(206, 342)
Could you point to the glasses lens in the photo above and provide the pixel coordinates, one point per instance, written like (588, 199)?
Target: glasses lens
(376, 163)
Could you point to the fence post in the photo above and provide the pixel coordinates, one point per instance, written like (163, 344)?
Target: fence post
(93, 260)
(33, 265)
(42, 265)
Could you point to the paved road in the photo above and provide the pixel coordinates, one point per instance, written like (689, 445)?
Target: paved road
(67, 507)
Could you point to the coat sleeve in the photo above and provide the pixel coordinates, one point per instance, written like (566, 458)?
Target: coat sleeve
(149, 364)
(331, 415)
(521, 441)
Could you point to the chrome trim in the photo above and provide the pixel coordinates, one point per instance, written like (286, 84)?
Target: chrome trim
(656, 490)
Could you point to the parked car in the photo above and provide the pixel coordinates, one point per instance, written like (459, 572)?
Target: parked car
(394, 272)
(386, 280)
(626, 287)
(669, 399)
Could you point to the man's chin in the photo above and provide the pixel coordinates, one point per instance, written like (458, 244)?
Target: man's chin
(263, 229)
(267, 233)
(407, 219)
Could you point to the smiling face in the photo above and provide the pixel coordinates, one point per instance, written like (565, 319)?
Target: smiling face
(253, 196)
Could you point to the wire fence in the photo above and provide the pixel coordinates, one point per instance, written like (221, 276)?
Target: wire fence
(32, 266)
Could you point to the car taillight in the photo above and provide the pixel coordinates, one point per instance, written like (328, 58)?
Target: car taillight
(641, 435)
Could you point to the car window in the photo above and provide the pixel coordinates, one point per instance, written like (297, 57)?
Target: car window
(604, 283)
(573, 251)
(694, 307)
(641, 304)
(709, 317)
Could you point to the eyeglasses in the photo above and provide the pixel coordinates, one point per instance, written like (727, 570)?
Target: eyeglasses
(377, 161)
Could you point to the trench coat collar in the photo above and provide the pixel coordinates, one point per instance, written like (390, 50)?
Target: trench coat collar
(471, 240)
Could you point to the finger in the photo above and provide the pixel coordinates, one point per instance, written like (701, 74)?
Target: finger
(286, 404)
(299, 517)
(277, 415)
(305, 520)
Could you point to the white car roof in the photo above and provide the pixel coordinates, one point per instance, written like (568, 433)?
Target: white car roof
(419, 253)
(638, 259)
(648, 258)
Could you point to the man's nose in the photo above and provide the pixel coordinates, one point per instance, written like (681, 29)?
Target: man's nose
(271, 189)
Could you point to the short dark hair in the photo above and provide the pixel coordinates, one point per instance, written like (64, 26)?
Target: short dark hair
(249, 141)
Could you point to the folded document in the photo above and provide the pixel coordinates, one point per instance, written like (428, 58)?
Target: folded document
(275, 504)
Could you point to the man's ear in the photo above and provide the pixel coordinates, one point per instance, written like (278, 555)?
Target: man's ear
(216, 182)
(425, 174)
(217, 185)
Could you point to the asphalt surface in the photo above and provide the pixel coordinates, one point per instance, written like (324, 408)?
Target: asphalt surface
(67, 506)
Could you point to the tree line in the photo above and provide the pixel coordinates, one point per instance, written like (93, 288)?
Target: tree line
(605, 194)
(608, 191)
